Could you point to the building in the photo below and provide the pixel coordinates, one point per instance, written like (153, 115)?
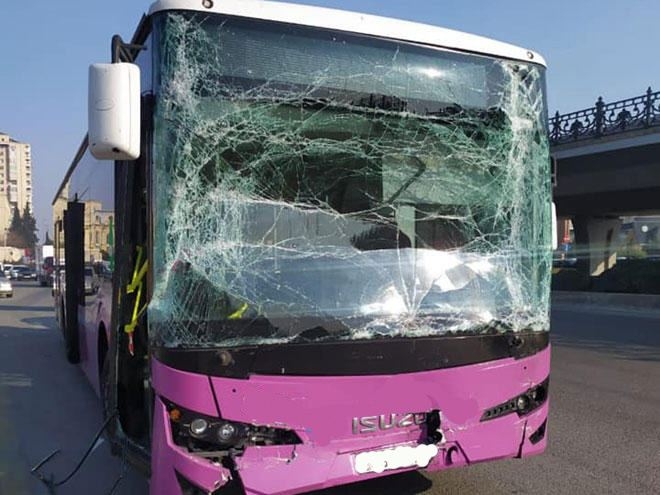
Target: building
(98, 227)
(15, 180)
(97, 232)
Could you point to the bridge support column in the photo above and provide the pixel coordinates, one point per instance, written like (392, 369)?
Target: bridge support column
(596, 243)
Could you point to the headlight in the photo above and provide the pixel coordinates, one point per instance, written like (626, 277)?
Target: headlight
(201, 433)
(227, 433)
(198, 427)
(522, 404)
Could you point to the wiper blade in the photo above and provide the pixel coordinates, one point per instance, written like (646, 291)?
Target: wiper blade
(319, 333)
(312, 334)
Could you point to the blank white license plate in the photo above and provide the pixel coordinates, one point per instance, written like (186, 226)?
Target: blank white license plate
(403, 456)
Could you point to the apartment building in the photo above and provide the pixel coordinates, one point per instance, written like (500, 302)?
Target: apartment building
(15, 179)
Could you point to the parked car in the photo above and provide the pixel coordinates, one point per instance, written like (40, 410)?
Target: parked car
(23, 272)
(91, 284)
(7, 269)
(6, 290)
(16, 271)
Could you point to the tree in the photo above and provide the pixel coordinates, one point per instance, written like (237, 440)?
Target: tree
(15, 236)
(15, 239)
(16, 223)
(22, 230)
(29, 228)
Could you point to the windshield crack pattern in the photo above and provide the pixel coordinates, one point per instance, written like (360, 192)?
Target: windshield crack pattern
(310, 187)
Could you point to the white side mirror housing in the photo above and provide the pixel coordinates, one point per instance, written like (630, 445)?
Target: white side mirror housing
(114, 111)
(555, 241)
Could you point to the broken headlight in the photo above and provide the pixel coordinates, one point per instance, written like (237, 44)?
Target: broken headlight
(522, 404)
(201, 433)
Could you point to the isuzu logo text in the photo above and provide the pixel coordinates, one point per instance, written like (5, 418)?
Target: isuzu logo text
(370, 424)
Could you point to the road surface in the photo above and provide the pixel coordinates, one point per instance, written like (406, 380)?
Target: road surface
(604, 423)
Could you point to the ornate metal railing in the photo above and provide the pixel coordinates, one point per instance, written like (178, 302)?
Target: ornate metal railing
(606, 119)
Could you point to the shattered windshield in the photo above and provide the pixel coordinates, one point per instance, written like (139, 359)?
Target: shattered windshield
(313, 185)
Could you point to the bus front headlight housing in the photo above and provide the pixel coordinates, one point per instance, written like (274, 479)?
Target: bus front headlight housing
(522, 404)
(201, 433)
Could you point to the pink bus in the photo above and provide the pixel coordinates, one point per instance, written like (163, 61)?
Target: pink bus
(320, 243)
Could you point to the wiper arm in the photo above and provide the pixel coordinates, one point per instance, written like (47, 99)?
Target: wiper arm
(319, 333)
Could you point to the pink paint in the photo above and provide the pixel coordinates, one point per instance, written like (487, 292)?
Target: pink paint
(321, 409)
(92, 318)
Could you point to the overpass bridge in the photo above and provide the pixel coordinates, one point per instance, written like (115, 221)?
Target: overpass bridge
(606, 164)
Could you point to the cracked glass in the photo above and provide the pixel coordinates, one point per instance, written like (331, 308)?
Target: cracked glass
(312, 185)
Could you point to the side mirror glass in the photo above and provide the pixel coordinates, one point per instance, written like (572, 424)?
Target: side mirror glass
(114, 111)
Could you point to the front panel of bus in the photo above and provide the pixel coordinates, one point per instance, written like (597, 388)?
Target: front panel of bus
(350, 256)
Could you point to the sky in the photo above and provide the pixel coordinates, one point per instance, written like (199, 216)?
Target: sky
(593, 48)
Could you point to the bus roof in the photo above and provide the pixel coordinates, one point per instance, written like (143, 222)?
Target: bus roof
(340, 20)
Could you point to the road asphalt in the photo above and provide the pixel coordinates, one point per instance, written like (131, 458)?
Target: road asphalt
(604, 427)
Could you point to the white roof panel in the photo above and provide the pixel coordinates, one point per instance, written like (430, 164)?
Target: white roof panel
(340, 20)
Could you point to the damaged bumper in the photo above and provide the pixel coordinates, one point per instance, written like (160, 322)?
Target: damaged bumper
(351, 428)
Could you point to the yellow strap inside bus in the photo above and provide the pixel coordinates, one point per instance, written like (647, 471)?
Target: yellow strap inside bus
(136, 283)
(239, 312)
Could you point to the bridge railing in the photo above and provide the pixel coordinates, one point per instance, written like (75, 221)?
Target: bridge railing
(606, 118)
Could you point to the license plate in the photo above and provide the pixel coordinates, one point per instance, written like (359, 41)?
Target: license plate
(403, 456)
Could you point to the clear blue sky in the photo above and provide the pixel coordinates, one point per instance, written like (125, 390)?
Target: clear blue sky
(594, 48)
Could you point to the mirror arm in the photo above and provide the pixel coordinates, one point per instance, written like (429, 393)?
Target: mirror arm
(124, 52)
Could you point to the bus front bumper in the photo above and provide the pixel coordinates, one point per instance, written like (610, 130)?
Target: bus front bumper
(321, 411)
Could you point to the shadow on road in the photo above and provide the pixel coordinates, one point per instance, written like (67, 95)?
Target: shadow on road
(39, 388)
(631, 337)
(48, 309)
(45, 322)
(401, 484)
(618, 350)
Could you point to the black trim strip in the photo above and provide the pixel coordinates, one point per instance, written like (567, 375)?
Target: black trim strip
(215, 397)
(362, 357)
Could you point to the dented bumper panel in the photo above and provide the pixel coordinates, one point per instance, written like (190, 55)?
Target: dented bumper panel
(323, 412)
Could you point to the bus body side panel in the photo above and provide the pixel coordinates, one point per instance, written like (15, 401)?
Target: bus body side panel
(322, 410)
(92, 184)
(89, 347)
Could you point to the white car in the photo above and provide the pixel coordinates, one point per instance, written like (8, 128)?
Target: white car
(90, 280)
(6, 290)
(7, 269)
